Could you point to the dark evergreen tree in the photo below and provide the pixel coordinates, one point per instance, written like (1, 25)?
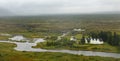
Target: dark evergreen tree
(112, 39)
(83, 40)
(115, 39)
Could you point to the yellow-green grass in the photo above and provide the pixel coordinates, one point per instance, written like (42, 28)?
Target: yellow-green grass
(78, 36)
(4, 37)
(8, 54)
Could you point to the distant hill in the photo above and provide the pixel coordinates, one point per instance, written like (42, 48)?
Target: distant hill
(109, 12)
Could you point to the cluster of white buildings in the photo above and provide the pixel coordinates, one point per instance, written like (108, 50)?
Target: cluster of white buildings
(78, 30)
(89, 40)
(93, 41)
(72, 38)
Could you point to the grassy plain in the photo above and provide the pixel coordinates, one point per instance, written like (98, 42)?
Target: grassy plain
(41, 26)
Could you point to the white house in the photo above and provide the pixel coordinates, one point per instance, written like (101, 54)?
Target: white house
(78, 29)
(72, 38)
(59, 38)
(18, 38)
(94, 41)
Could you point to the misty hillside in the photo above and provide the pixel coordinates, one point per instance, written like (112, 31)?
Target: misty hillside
(5, 12)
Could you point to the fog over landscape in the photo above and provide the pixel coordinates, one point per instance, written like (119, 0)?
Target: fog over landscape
(59, 30)
(38, 7)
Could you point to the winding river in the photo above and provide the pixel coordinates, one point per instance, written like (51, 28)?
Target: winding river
(26, 46)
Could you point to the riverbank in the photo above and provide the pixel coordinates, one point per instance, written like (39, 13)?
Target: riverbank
(7, 53)
(88, 47)
(27, 47)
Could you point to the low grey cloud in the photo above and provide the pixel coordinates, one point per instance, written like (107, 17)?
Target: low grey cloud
(29, 7)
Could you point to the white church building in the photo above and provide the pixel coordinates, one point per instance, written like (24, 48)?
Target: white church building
(93, 41)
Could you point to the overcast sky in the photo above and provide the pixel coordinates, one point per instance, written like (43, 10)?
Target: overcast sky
(27, 7)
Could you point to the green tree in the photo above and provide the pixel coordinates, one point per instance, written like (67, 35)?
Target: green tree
(83, 40)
